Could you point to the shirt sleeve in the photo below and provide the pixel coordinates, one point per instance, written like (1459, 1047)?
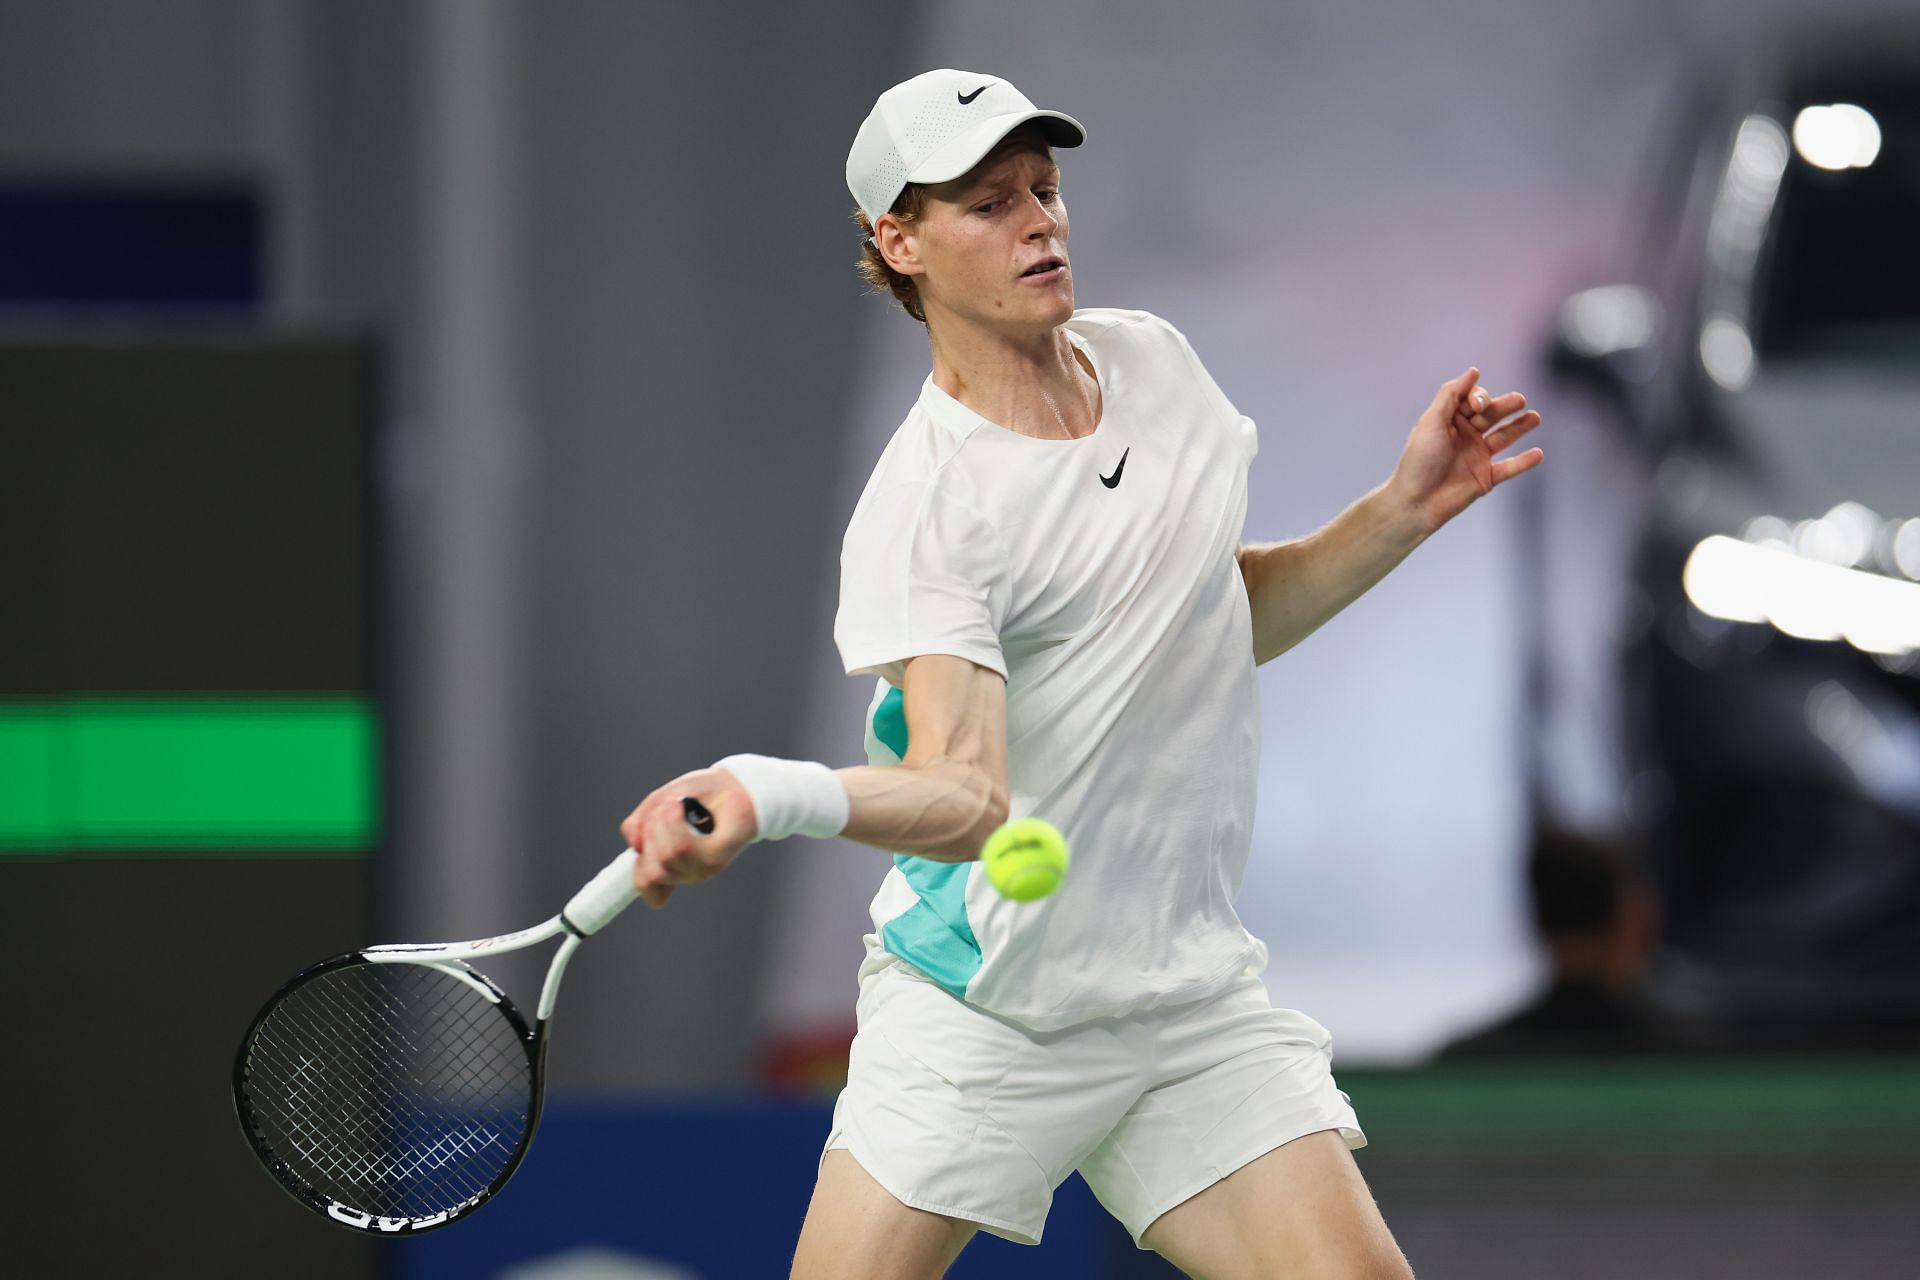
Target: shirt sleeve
(920, 573)
(1239, 424)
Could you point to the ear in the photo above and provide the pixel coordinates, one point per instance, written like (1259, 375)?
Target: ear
(896, 246)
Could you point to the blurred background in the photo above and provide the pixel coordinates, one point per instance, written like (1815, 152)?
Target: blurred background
(430, 426)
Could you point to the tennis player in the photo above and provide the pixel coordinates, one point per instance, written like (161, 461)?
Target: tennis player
(1046, 575)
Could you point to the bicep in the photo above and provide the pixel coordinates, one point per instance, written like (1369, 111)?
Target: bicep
(956, 713)
(950, 789)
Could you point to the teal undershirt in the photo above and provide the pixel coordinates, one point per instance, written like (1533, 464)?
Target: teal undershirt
(933, 934)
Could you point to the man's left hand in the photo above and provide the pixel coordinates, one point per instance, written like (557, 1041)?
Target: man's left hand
(1450, 455)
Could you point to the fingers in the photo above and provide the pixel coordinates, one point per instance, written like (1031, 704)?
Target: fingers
(1481, 410)
(1498, 421)
(1500, 406)
(1490, 409)
(1508, 468)
(667, 856)
(631, 829)
(1511, 430)
(1453, 392)
(656, 874)
(649, 877)
(671, 852)
(669, 840)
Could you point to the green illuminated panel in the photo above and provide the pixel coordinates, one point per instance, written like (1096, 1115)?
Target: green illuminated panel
(171, 775)
(1641, 1100)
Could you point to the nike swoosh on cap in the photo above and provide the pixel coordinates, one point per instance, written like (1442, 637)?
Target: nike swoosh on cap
(966, 99)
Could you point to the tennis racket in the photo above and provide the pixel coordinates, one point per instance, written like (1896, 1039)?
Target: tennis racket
(396, 1089)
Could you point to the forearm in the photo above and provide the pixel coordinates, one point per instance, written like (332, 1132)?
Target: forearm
(940, 802)
(1294, 587)
(940, 809)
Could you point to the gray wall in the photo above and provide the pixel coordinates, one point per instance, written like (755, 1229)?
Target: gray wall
(605, 248)
(124, 87)
(691, 319)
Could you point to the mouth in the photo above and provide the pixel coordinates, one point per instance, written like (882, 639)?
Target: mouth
(1045, 270)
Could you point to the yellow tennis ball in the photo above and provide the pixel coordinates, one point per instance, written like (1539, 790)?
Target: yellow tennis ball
(1025, 859)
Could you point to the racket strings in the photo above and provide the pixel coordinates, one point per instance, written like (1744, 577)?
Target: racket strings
(417, 1127)
(397, 1090)
(371, 1147)
(309, 1132)
(421, 1147)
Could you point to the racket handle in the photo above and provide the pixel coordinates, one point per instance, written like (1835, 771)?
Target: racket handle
(611, 892)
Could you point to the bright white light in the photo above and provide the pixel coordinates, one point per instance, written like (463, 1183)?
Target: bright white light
(1759, 153)
(1769, 531)
(1727, 352)
(1840, 136)
(1906, 548)
(1820, 540)
(1854, 525)
(1617, 317)
(1805, 601)
(1745, 202)
(1740, 582)
(1884, 616)
(1727, 584)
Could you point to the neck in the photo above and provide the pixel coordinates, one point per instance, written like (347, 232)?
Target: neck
(1032, 384)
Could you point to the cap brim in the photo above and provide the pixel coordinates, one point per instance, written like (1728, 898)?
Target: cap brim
(965, 151)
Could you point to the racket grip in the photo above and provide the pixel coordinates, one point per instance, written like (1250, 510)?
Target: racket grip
(611, 892)
(603, 897)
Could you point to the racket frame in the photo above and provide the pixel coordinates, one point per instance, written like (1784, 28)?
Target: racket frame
(602, 898)
(533, 1042)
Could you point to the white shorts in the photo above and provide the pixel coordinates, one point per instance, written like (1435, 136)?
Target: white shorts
(962, 1113)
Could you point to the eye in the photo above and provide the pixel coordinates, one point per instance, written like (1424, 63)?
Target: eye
(985, 208)
(1047, 194)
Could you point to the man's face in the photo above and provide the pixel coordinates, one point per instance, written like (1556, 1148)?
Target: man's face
(982, 235)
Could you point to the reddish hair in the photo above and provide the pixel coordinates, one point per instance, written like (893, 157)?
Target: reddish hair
(911, 203)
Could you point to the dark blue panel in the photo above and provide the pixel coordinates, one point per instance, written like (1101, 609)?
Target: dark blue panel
(76, 243)
(718, 1188)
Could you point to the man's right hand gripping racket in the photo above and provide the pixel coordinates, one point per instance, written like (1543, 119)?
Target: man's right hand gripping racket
(395, 1089)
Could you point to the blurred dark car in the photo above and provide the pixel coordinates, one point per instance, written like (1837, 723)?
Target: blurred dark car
(1762, 344)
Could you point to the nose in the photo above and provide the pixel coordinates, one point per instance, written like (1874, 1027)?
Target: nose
(1041, 221)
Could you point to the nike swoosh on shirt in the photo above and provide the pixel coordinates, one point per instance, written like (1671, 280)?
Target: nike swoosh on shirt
(966, 99)
(1113, 480)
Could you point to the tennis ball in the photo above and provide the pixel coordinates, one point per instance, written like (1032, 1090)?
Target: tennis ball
(1025, 859)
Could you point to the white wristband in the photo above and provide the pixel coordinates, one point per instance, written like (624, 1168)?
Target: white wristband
(791, 797)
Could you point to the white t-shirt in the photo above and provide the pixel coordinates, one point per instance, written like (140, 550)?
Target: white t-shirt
(1098, 576)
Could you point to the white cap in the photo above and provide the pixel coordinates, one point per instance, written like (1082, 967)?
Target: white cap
(935, 127)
